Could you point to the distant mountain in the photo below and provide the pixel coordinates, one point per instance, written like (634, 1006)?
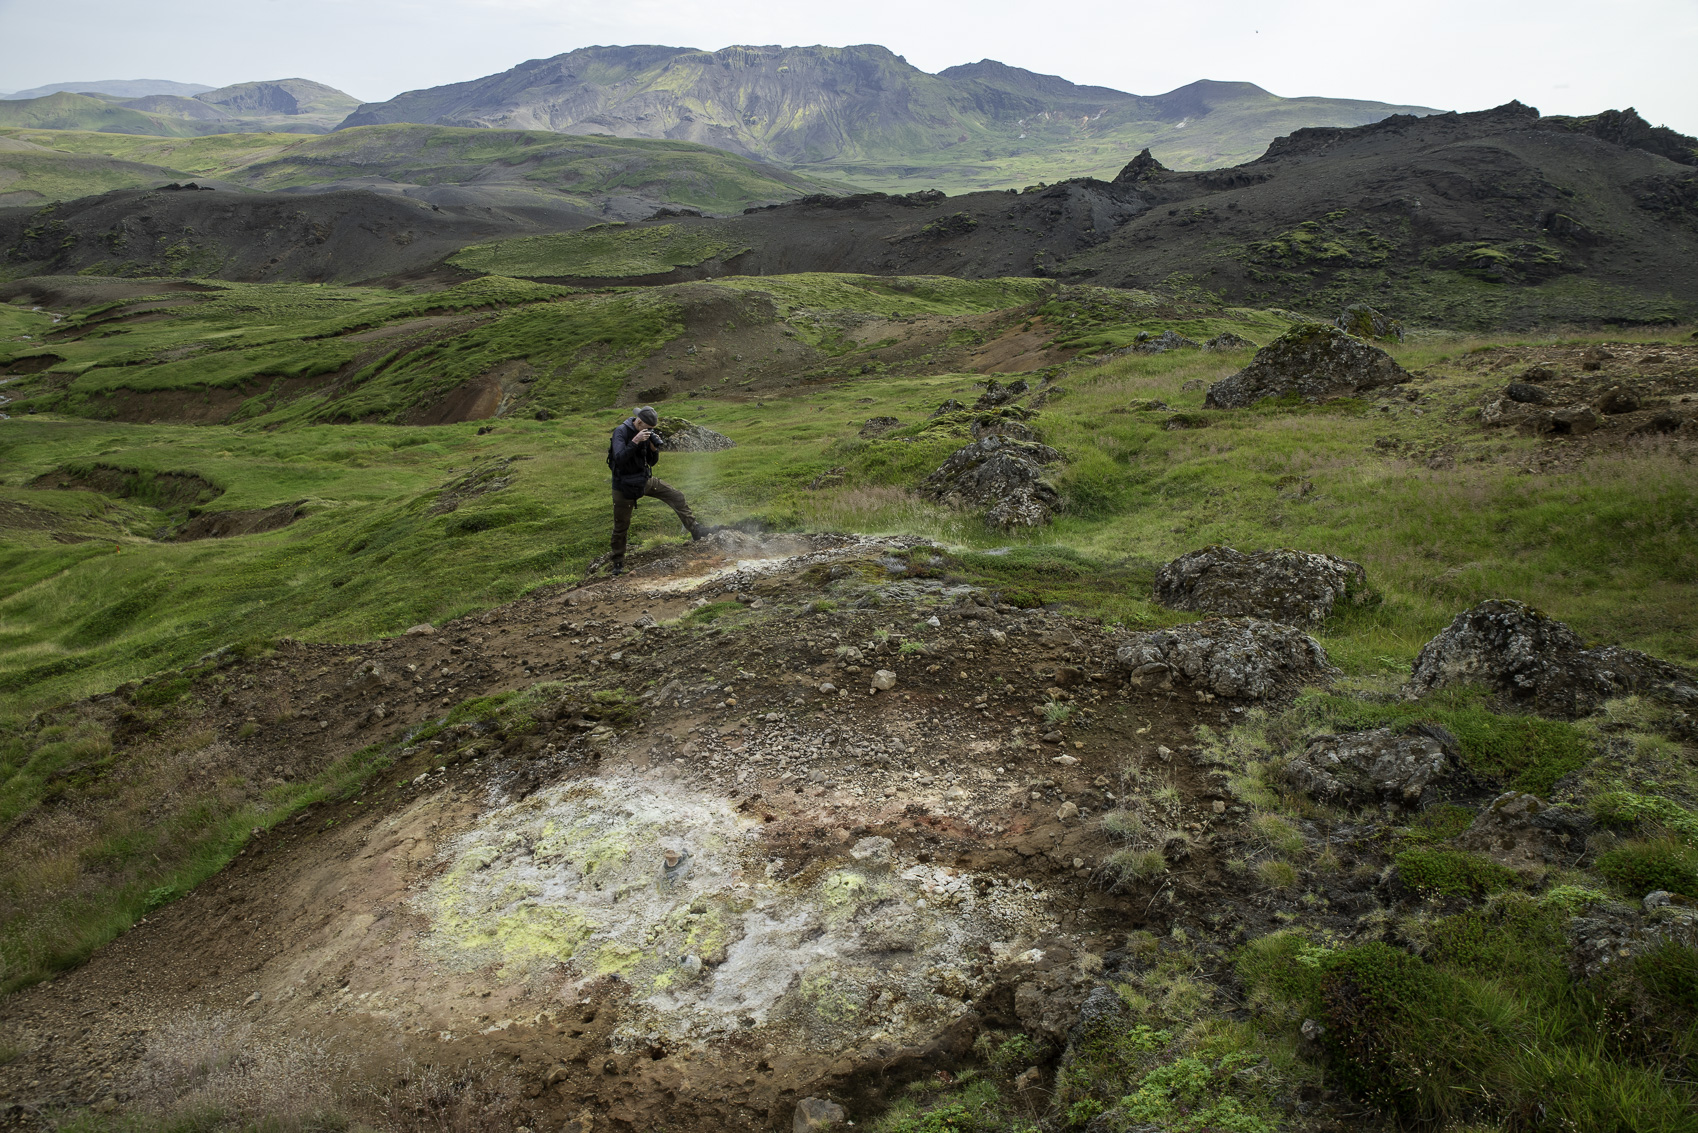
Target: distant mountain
(282, 97)
(866, 115)
(122, 88)
(290, 106)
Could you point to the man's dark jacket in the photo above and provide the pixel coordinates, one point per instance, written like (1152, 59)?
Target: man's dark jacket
(631, 464)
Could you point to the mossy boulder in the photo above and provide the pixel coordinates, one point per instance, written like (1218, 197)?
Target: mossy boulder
(1295, 587)
(1313, 361)
(1364, 321)
(1005, 477)
(1532, 658)
(1231, 657)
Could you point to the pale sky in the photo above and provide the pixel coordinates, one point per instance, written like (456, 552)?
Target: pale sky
(1563, 56)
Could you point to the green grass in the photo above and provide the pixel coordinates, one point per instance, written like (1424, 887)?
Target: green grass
(1488, 1024)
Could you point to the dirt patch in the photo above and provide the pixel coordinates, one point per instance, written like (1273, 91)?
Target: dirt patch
(472, 401)
(847, 885)
(32, 363)
(229, 524)
(159, 489)
(409, 326)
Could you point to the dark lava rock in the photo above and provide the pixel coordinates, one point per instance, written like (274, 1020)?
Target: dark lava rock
(1315, 361)
(878, 427)
(1366, 768)
(1608, 934)
(950, 406)
(1242, 657)
(1514, 649)
(1163, 342)
(1617, 399)
(1570, 421)
(998, 394)
(1005, 477)
(1521, 829)
(680, 435)
(1526, 393)
(1005, 424)
(1226, 340)
(1283, 585)
(1364, 321)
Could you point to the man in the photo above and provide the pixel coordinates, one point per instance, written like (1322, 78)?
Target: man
(631, 455)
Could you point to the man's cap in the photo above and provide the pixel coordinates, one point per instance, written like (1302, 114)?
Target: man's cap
(648, 414)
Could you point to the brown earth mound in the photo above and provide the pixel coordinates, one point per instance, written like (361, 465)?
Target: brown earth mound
(956, 842)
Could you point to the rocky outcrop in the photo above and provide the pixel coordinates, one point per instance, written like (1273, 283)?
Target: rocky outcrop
(1513, 649)
(1364, 321)
(1235, 657)
(1315, 361)
(998, 394)
(680, 435)
(1005, 477)
(1162, 343)
(1379, 766)
(1226, 340)
(1282, 585)
(878, 427)
(1522, 830)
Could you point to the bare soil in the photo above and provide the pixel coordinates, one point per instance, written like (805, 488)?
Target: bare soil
(321, 926)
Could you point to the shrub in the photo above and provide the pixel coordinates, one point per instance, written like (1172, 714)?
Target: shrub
(1277, 874)
(1452, 873)
(1129, 867)
(1646, 866)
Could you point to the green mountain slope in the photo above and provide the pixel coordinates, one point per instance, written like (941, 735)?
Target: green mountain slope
(291, 106)
(867, 115)
(617, 177)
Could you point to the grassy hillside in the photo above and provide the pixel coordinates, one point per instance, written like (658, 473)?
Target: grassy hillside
(516, 164)
(1141, 490)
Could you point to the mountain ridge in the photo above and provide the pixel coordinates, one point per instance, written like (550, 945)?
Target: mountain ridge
(864, 114)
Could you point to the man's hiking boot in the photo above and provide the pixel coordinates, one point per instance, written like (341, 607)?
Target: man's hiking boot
(698, 533)
(615, 572)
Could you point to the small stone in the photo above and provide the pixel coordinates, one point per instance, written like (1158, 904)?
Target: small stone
(691, 964)
(1068, 810)
(423, 629)
(884, 680)
(1657, 899)
(644, 622)
(1052, 737)
(933, 622)
(1220, 806)
(1078, 863)
(828, 688)
(874, 850)
(672, 857)
(1065, 760)
(1030, 1079)
(1312, 1030)
(816, 1115)
(251, 1000)
(1165, 752)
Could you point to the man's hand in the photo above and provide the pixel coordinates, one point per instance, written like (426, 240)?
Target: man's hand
(642, 437)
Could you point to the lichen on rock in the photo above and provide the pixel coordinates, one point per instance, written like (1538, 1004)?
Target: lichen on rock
(1233, 657)
(1315, 361)
(1368, 768)
(680, 435)
(1513, 649)
(1295, 587)
(1004, 476)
